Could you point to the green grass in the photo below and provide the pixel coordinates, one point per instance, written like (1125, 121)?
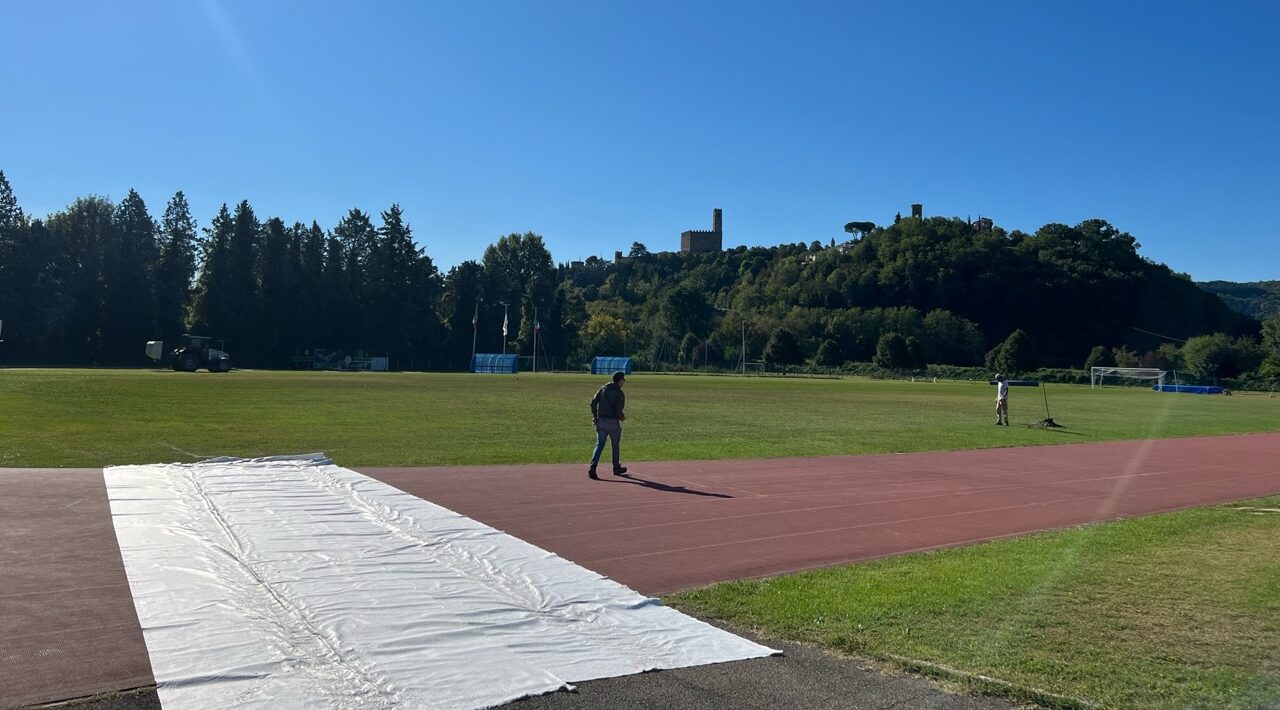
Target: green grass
(1181, 610)
(106, 417)
(1172, 611)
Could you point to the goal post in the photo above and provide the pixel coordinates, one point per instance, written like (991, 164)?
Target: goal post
(1098, 375)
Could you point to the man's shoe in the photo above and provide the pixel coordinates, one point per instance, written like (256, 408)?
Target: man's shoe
(591, 473)
(618, 471)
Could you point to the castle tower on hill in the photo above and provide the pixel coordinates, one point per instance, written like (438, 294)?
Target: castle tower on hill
(695, 241)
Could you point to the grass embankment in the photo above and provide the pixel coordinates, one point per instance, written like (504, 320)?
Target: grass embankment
(1172, 611)
(105, 417)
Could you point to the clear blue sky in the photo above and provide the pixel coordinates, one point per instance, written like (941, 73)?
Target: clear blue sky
(596, 124)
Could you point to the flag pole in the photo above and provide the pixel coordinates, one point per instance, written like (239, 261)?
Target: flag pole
(475, 317)
(504, 326)
(535, 339)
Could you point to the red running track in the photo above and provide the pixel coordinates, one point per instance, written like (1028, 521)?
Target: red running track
(68, 629)
(669, 526)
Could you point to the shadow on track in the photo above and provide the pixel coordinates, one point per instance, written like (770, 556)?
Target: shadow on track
(655, 485)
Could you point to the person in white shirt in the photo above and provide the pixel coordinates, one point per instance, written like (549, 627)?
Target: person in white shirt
(1002, 401)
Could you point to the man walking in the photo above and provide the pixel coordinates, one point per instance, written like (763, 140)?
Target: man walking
(1002, 401)
(607, 416)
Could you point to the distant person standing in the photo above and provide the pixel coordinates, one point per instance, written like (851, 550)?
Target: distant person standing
(1002, 401)
(607, 415)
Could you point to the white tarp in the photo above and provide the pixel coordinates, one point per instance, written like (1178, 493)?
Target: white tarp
(290, 582)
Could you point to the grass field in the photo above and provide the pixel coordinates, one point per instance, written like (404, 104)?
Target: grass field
(1170, 611)
(1181, 610)
(105, 417)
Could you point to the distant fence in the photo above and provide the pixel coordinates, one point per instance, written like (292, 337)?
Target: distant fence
(493, 363)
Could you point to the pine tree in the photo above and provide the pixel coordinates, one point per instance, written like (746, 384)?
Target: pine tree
(44, 315)
(387, 283)
(311, 297)
(357, 236)
(15, 295)
(179, 245)
(241, 330)
(409, 286)
(127, 289)
(10, 214)
(338, 296)
(81, 233)
(274, 294)
(211, 310)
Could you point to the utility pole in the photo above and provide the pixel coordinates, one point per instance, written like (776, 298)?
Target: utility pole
(535, 339)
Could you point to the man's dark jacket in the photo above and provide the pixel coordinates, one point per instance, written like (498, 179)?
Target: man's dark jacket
(608, 402)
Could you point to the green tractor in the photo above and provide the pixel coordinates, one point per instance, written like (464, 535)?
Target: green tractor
(193, 354)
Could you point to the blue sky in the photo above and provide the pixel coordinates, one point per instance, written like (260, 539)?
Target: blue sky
(596, 124)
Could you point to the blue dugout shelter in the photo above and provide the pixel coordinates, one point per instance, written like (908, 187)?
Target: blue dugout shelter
(605, 365)
(1188, 389)
(494, 363)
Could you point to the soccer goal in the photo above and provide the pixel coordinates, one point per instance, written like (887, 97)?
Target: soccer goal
(1098, 375)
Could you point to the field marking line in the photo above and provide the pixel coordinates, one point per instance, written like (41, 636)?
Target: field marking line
(198, 457)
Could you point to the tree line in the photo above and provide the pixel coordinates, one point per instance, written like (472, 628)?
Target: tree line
(1258, 299)
(91, 283)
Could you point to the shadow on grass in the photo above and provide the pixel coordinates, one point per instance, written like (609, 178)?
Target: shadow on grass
(1060, 429)
(665, 488)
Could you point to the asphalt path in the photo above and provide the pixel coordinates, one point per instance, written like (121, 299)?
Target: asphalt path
(804, 677)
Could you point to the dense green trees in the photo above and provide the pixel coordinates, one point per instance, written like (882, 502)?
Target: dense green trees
(519, 272)
(892, 353)
(1258, 299)
(829, 354)
(1099, 356)
(1217, 355)
(783, 349)
(94, 280)
(1016, 355)
(1270, 349)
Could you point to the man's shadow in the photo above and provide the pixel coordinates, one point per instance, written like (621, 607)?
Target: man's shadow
(665, 488)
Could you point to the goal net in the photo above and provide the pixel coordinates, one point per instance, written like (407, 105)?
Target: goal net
(1098, 375)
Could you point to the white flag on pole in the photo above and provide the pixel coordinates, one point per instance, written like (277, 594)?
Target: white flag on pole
(504, 325)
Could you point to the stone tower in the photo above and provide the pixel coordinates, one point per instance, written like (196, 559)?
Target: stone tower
(695, 241)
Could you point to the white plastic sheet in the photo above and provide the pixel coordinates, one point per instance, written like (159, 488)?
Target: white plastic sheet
(290, 582)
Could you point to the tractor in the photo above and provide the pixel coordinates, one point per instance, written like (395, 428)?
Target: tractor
(193, 354)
